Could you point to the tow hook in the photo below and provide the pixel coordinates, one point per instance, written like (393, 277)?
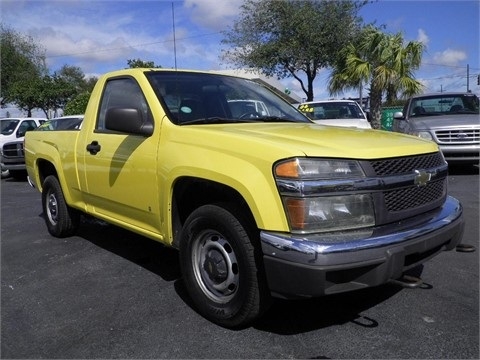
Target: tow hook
(408, 281)
(465, 248)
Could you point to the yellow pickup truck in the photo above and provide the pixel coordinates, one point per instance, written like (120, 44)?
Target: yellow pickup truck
(259, 204)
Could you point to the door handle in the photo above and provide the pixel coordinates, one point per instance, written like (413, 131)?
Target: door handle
(94, 147)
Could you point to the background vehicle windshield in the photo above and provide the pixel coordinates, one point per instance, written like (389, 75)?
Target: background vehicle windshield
(192, 96)
(8, 126)
(445, 104)
(332, 110)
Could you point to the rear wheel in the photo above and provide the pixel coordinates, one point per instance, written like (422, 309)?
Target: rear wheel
(222, 267)
(61, 220)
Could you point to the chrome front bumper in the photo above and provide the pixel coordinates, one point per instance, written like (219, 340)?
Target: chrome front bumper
(320, 264)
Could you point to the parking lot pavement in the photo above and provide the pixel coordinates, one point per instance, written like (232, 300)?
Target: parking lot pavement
(108, 293)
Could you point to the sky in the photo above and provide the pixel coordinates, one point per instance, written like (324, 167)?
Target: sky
(100, 36)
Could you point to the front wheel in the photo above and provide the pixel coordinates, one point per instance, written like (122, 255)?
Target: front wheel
(61, 219)
(222, 267)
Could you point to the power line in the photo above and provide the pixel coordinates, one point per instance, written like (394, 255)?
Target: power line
(129, 46)
(452, 76)
(452, 66)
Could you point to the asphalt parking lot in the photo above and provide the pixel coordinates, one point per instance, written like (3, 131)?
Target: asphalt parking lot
(108, 293)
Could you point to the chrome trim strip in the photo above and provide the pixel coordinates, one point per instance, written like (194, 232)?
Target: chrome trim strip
(301, 188)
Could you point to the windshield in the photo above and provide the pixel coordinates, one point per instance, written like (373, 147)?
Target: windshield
(199, 98)
(61, 124)
(332, 110)
(9, 126)
(444, 104)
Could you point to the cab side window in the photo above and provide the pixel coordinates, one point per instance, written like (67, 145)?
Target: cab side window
(25, 126)
(121, 93)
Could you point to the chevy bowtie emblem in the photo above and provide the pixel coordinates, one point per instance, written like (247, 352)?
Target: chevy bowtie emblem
(422, 177)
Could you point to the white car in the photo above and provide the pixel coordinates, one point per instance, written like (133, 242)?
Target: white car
(14, 129)
(248, 108)
(345, 113)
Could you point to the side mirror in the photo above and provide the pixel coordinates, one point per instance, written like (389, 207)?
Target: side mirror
(128, 120)
(398, 115)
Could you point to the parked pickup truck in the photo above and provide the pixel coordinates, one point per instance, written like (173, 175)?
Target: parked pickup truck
(11, 144)
(12, 157)
(449, 119)
(257, 205)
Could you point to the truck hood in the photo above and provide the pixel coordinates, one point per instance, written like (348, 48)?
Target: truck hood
(283, 140)
(446, 121)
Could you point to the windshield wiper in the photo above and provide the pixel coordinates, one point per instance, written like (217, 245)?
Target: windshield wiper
(466, 111)
(220, 120)
(215, 120)
(274, 119)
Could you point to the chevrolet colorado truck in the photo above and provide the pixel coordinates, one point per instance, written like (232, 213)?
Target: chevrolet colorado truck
(257, 205)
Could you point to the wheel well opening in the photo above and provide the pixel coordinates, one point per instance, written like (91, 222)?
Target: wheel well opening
(45, 168)
(190, 193)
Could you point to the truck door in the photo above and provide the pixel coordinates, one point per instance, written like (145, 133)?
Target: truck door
(120, 170)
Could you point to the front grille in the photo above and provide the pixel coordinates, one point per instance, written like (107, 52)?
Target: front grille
(13, 150)
(406, 165)
(413, 185)
(415, 196)
(458, 136)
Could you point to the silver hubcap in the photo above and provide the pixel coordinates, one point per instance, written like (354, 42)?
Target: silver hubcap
(52, 208)
(215, 266)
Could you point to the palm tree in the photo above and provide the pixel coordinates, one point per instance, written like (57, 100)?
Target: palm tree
(382, 61)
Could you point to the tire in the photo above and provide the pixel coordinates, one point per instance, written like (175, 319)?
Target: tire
(222, 268)
(5, 173)
(62, 220)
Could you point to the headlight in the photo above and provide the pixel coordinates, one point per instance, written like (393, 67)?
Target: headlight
(304, 169)
(424, 135)
(330, 213)
(310, 205)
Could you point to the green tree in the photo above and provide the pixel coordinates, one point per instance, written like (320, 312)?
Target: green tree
(291, 38)
(72, 75)
(383, 62)
(64, 86)
(78, 104)
(90, 83)
(26, 95)
(22, 62)
(137, 63)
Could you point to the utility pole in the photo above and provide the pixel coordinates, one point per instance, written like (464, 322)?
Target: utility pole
(174, 39)
(468, 78)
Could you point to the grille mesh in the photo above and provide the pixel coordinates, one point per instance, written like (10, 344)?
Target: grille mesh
(407, 201)
(413, 197)
(407, 164)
